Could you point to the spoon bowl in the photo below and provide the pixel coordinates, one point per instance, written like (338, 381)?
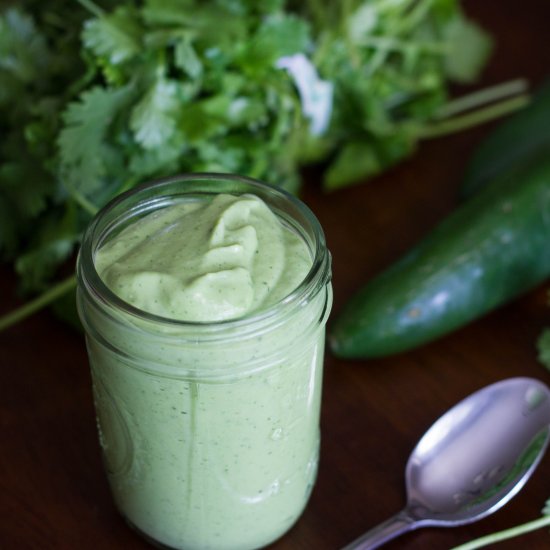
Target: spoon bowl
(472, 460)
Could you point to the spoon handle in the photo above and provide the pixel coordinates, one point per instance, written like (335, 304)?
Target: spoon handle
(384, 532)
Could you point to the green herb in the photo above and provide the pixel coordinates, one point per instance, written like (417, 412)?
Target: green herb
(98, 97)
(512, 532)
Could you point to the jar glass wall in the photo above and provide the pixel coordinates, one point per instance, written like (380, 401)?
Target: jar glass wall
(209, 431)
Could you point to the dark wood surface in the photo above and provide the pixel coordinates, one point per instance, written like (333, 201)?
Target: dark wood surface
(53, 493)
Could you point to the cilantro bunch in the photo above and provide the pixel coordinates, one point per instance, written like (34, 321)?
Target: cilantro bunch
(97, 97)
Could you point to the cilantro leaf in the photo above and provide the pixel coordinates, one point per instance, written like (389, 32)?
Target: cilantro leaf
(115, 37)
(152, 119)
(50, 247)
(186, 58)
(27, 188)
(468, 50)
(95, 99)
(82, 142)
(23, 49)
(278, 35)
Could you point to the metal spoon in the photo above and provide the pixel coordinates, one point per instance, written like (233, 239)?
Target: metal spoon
(473, 460)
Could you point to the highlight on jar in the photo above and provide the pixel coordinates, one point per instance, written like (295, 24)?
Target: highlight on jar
(204, 299)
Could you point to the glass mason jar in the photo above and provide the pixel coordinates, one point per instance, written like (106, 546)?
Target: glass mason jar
(209, 431)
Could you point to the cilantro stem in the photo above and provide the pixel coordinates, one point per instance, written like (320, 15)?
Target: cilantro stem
(505, 534)
(483, 97)
(463, 122)
(417, 13)
(81, 200)
(85, 203)
(91, 7)
(38, 303)
(390, 43)
(347, 10)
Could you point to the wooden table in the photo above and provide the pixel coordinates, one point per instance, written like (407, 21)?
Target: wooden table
(53, 491)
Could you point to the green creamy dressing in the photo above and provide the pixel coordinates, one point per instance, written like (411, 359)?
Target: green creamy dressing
(196, 461)
(205, 261)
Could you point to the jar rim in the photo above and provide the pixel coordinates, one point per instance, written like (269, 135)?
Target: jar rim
(318, 274)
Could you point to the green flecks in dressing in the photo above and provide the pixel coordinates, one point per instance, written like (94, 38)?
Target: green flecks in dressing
(227, 463)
